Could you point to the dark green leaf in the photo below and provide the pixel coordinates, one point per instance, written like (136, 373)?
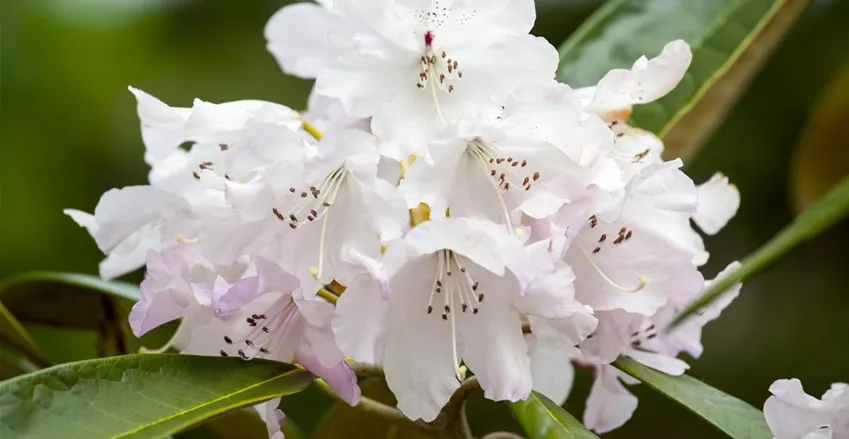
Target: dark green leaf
(813, 221)
(730, 40)
(137, 396)
(75, 299)
(350, 423)
(728, 414)
(542, 418)
(16, 337)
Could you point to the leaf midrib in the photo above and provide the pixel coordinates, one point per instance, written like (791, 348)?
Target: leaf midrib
(207, 403)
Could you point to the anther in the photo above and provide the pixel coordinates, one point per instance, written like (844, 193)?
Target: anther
(628, 235)
(242, 354)
(444, 316)
(228, 340)
(195, 174)
(313, 212)
(475, 311)
(475, 286)
(596, 250)
(536, 175)
(265, 329)
(524, 163)
(480, 297)
(603, 237)
(465, 306)
(223, 354)
(429, 309)
(249, 343)
(303, 194)
(293, 226)
(293, 218)
(292, 190)
(447, 309)
(263, 350)
(223, 146)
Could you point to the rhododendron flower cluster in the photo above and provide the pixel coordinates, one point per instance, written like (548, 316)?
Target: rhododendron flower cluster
(483, 218)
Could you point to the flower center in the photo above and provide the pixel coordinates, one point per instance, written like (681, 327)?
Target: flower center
(604, 241)
(438, 67)
(503, 172)
(315, 203)
(456, 286)
(265, 330)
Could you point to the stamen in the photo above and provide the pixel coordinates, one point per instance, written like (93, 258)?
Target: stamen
(642, 280)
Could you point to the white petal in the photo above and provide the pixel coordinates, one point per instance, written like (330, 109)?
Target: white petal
(647, 80)
(359, 320)
(609, 405)
(252, 200)
(495, 349)
(552, 372)
(718, 203)
(121, 212)
(477, 240)
(667, 365)
(791, 413)
(162, 126)
(417, 358)
(298, 38)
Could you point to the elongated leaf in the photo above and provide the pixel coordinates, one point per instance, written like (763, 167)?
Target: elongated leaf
(16, 337)
(542, 418)
(75, 299)
(730, 40)
(730, 415)
(137, 396)
(810, 223)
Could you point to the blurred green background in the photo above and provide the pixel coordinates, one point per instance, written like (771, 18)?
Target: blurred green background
(69, 132)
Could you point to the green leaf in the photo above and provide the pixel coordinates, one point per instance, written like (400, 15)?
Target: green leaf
(542, 418)
(810, 223)
(728, 414)
(75, 299)
(350, 423)
(730, 40)
(138, 396)
(16, 337)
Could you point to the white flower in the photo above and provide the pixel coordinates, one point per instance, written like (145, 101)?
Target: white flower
(340, 202)
(455, 293)
(619, 90)
(538, 154)
(416, 66)
(793, 414)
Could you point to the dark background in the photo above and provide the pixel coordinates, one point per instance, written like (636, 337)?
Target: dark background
(69, 132)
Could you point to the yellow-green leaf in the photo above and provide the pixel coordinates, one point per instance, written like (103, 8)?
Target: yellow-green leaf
(137, 396)
(542, 418)
(730, 40)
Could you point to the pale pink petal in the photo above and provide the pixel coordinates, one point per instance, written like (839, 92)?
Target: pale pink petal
(339, 376)
(610, 404)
